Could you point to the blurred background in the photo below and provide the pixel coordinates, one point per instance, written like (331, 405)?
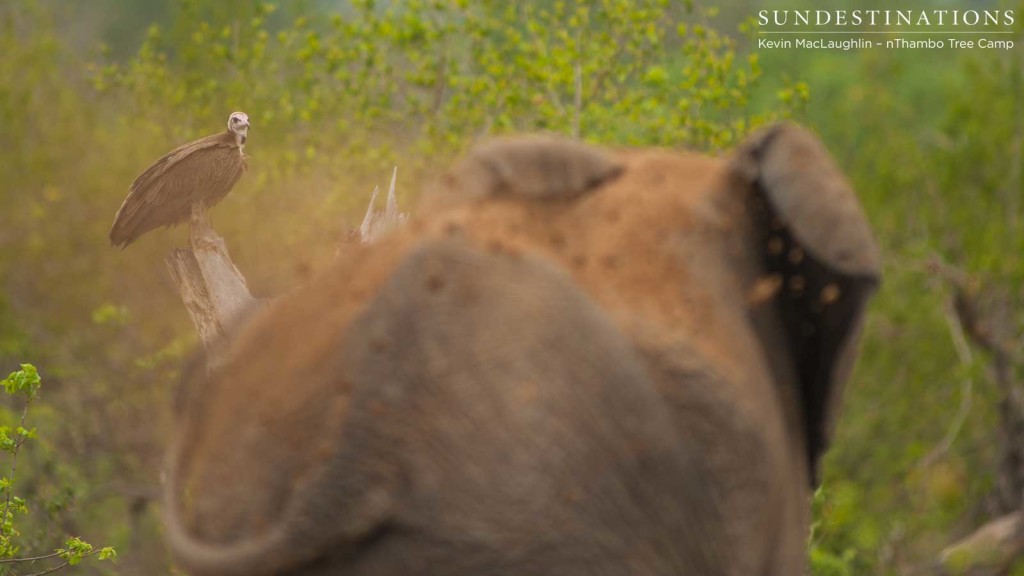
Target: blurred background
(340, 92)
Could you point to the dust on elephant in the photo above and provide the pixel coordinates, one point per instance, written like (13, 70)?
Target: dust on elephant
(594, 362)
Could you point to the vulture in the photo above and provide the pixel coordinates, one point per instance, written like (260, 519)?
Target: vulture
(200, 172)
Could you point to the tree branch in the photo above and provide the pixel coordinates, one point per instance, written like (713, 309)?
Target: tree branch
(375, 223)
(988, 551)
(963, 350)
(980, 317)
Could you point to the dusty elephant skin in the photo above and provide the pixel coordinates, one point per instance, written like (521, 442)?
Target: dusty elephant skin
(637, 375)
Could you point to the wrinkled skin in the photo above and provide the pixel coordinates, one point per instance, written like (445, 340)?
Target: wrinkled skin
(594, 362)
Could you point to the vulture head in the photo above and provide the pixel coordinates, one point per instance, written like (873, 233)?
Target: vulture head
(238, 124)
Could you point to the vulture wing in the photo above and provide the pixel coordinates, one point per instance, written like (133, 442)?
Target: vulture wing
(201, 171)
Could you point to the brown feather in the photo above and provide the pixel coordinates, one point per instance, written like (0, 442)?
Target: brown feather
(201, 171)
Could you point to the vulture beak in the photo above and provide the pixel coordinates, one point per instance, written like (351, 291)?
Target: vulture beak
(243, 133)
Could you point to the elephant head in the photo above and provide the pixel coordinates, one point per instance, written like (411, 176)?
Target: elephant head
(593, 362)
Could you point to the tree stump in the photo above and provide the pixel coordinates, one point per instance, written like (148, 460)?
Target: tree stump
(212, 288)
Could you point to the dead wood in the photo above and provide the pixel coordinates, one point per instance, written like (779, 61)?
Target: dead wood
(212, 288)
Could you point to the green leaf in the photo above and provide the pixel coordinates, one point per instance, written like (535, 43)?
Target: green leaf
(24, 382)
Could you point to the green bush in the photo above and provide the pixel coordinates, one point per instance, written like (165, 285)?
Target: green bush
(24, 385)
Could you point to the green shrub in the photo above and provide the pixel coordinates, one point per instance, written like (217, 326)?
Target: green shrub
(24, 385)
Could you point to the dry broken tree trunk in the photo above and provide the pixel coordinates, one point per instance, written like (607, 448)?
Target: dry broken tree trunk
(984, 316)
(212, 288)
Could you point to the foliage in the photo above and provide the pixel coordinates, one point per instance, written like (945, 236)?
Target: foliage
(24, 384)
(936, 157)
(826, 562)
(425, 76)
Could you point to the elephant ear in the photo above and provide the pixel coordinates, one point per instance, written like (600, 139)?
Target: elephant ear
(818, 256)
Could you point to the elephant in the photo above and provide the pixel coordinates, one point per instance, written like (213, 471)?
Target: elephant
(586, 361)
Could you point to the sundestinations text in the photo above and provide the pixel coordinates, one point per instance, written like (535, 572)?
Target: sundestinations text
(860, 17)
